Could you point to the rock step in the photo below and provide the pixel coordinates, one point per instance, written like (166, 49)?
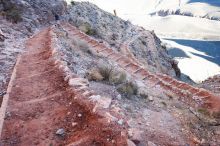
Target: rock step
(166, 82)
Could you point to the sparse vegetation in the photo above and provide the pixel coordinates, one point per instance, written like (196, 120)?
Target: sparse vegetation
(117, 77)
(86, 28)
(83, 46)
(128, 89)
(11, 11)
(203, 111)
(106, 70)
(112, 74)
(94, 75)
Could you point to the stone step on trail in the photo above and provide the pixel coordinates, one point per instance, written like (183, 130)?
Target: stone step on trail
(166, 82)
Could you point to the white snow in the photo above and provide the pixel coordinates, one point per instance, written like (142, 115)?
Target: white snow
(175, 26)
(194, 66)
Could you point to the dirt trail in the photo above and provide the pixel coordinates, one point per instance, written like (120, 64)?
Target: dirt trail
(196, 97)
(41, 102)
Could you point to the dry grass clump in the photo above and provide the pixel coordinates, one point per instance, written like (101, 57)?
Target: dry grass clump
(128, 89)
(107, 72)
(112, 74)
(86, 28)
(117, 77)
(94, 75)
(83, 45)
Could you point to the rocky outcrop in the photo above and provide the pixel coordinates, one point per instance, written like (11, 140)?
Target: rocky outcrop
(32, 13)
(212, 84)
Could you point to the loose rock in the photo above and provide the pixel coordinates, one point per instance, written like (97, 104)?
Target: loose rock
(60, 132)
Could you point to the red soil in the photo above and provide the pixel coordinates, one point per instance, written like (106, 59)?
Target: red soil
(41, 102)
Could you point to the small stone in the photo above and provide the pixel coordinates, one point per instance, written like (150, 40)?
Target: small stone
(196, 140)
(68, 113)
(118, 97)
(7, 114)
(120, 122)
(202, 141)
(2, 93)
(79, 115)
(74, 124)
(149, 143)
(150, 98)
(60, 132)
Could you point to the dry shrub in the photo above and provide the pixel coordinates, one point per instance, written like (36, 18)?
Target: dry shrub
(117, 77)
(94, 75)
(106, 70)
(128, 89)
(86, 28)
(83, 45)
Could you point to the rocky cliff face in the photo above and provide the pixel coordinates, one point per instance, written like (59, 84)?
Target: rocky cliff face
(212, 84)
(140, 44)
(32, 13)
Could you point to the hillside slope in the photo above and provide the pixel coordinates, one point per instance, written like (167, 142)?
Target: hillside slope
(92, 78)
(126, 38)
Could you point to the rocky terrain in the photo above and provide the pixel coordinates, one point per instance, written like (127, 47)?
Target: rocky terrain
(92, 78)
(142, 45)
(212, 83)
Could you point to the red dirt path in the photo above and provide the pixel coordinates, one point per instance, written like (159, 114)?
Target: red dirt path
(41, 102)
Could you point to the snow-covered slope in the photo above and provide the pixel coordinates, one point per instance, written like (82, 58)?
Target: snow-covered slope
(197, 59)
(195, 8)
(175, 26)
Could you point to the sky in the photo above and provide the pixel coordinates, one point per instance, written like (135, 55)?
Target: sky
(128, 9)
(122, 7)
